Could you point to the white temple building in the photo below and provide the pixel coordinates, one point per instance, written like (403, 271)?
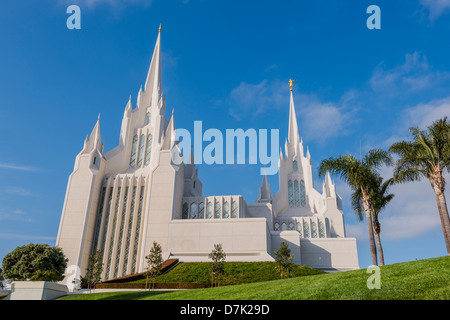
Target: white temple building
(123, 200)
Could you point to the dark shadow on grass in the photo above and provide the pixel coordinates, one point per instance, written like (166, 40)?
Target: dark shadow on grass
(134, 295)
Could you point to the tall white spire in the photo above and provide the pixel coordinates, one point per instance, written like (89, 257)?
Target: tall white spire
(153, 83)
(293, 136)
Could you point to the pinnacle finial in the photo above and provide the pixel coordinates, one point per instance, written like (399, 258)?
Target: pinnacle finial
(160, 27)
(98, 119)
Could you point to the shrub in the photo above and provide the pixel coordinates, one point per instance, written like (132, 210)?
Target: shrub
(35, 262)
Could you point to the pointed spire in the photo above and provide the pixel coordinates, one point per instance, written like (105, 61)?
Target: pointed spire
(265, 192)
(293, 136)
(169, 136)
(95, 140)
(153, 82)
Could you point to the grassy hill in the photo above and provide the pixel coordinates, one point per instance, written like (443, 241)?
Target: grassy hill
(423, 279)
(235, 272)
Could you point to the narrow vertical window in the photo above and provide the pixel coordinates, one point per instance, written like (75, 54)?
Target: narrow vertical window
(148, 117)
(148, 150)
(295, 165)
(141, 150)
(299, 228)
(217, 210)
(185, 213)
(306, 229)
(297, 193)
(234, 209)
(291, 194)
(201, 210)
(138, 230)
(226, 210)
(313, 230)
(133, 151)
(302, 193)
(209, 210)
(321, 230)
(130, 224)
(193, 213)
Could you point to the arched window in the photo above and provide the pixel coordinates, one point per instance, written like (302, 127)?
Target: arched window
(226, 210)
(193, 213)
(201, 210)
(141, 150)
(291, 194)
(185, 213)
(297, 195)
(302, 193)
(217, 210)
(147, 117)
(295, 165)
(148, 150)
(133, 151)
(209, 210)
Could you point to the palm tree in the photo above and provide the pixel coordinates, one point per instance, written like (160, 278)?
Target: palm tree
(358, 174)
(379, 199)
(427, 156)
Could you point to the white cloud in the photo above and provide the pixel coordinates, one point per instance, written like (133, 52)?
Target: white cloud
(318, 120)
(436, 8)
(415, 74)
(257, 98)
(16, 167)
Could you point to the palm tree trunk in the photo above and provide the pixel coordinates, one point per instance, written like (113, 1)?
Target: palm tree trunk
(367, 209)
(443, 215)
(377, 231)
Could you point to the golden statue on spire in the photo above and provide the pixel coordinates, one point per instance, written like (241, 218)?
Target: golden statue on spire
(291, 82)
(160, 27)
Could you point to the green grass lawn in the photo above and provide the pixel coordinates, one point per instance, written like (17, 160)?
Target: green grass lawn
(234, 273)
(424, 279)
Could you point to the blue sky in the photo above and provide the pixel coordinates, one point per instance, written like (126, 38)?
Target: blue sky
(226, 63)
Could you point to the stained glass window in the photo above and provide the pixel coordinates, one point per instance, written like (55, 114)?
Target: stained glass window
(113, 233)
(148, 150)
(133, 151)
(217, 210)
(138, 229)
(185, 213)
(98, 220)
(297, 195)
(193, 213)
(302, 193)
(291, 225)
(121, 230)
(321, 230)
(201, 210)
(295, 165)
(313, 230)
(130, 224)
(147, 117)
(141, 150)
(226, 210)
(306, 229)
(299, 228)
(234, 209)
(291, 195)
(209, 210)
